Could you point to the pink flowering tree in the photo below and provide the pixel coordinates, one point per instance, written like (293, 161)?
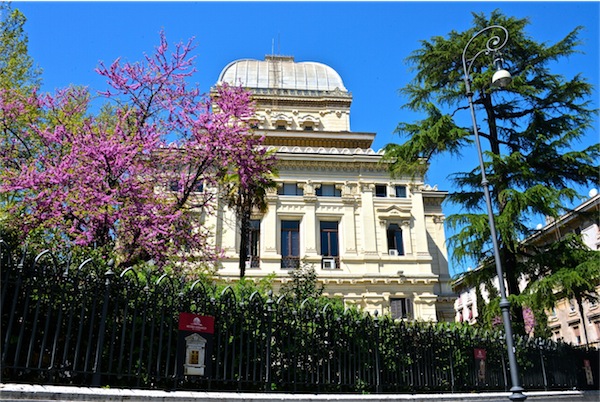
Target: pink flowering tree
(134, 177)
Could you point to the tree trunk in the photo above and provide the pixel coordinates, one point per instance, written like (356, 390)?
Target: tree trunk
(508, 258)
(582, 317)
(509, 263)
(244, 231)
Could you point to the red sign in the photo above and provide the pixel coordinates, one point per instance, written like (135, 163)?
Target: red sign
(196, 323)
(480, 354)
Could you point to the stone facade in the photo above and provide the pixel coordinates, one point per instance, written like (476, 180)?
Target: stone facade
(376, 242)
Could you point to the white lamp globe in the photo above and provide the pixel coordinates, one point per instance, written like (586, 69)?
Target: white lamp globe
(501, 78)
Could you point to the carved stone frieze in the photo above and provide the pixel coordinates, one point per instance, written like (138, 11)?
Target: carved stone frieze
(337, 166)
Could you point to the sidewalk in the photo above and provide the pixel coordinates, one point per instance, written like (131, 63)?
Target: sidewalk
(24, 392)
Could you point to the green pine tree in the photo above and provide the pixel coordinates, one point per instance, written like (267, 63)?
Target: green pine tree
(532, 130)
(566, 269)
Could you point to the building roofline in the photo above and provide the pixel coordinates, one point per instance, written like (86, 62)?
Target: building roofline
(564, 219)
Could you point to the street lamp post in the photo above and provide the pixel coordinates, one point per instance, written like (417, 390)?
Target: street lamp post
(500, 78)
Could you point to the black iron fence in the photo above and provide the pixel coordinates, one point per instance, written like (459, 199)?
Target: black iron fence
(87, 325)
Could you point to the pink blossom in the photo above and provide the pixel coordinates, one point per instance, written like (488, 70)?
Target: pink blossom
(528, 319)
(102, 179)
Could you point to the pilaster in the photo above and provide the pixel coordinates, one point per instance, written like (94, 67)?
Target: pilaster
(419, 224)
(368, 219)
(269, 225)
(309, 222)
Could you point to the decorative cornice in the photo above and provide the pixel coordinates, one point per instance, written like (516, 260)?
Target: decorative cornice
(291, 93)
(323, 150)
(437, 201)
(332, 165)
(395, 210)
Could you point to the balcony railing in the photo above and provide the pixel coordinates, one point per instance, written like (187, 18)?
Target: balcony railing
(290, 262)
(253, 262)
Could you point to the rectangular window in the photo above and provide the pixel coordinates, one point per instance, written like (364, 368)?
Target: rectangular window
(577, 335)
(329, 239)
(401, 191)
(290, 244)
(380, 190)
(290, 189)
(199, 187)
(394, 239)
(557, 336)
(400, 308)
(328, 190)
(254, 244)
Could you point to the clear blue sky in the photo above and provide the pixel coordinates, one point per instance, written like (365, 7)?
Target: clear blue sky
(366, 42)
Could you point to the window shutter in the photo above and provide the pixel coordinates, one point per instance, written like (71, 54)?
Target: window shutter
(409, 308)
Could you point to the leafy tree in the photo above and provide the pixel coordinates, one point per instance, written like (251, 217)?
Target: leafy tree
(244, 199)
(17, 75)
(532, 128)
(303, 283)
(129, 177)
(567, 269)
(17, 69)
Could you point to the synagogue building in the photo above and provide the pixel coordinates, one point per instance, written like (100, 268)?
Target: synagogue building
(374, 241)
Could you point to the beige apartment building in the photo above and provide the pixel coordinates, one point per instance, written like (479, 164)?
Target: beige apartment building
(376, 242)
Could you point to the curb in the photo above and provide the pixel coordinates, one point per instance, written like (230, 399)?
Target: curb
(22, 392)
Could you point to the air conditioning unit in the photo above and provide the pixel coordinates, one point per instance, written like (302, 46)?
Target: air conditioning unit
(393, 252)
(249, 263)
(329, 263)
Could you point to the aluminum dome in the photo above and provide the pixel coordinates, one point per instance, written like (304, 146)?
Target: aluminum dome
(281, 72)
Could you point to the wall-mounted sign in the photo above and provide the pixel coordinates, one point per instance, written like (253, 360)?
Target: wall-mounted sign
(194, 346)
